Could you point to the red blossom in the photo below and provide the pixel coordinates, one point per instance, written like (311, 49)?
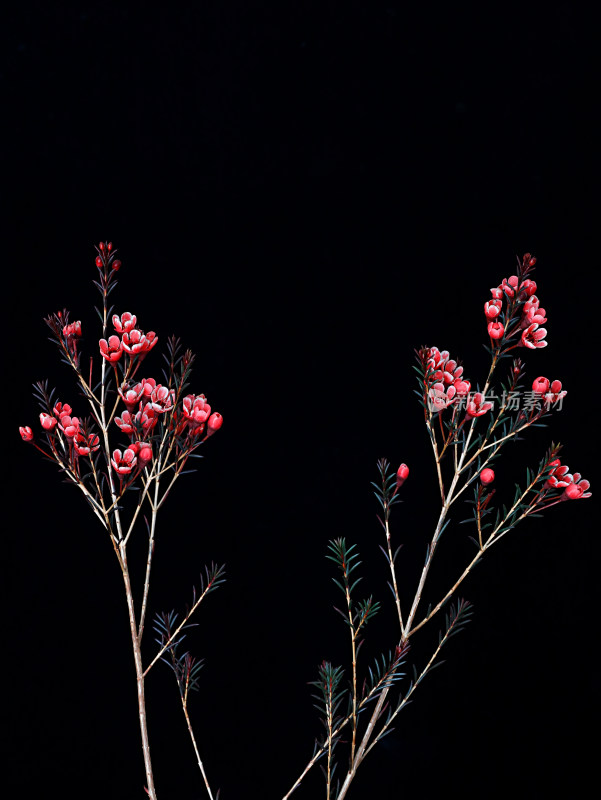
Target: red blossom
(162, 399)
(134, 342)
(111, 350)
(131, 395)
(495, 330)
(148, 387)
(196, 410)
(556, 394)
(462, 388)
(126, 423)
(440, 398)
(124, 463)
(527, 288)
(60, 409)
(48, 422)
(124, 323)
(533, 314)
(73, 330)
(492, 309)
(69, 425)
(145, 454)
(85, 446)
(533, 336)
(509, 285)
(146, 418)
(540, 385)
(26, 433)
(559, 477)
(577, 488)
(477, 406)
(150, 341)
(497, 293)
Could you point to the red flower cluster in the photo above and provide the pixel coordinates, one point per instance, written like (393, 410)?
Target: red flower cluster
(133, 341)
(446, 382)
(574, 487)
(513, 290)
(62, 417)
(552, 392)
(446, 385)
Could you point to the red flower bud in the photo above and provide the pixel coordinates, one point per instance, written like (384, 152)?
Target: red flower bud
(116, 265)
(214, 422)
(541, 385)
(402, 474)
(487, 476)
(145, 454)
(98, 261)
(109, 246)
(26, 433)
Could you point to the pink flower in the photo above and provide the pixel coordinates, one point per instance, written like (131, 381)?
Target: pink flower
(148, 387)
(492, 309)
(214, 423)
(555, 395)
(47, 421)
(401, 475)
(145, 454)
(124, 463)
(577, 489)
(26, 433)
(477, 407)
(111, 350)
(126, 423)
(487, 476)
(497, 294)
(60, 409)
(527, 288)
(196, 410)
(69, 425)
(83, 447)
(509, 285)
(495, 330)
(452, 373)
(462, 388)
(440, 398)
(559, 477)
(134, 342)
(162, 399)
(534, 314)
(131, 395)
(150, 341)
(72, 331)
(533, 336)
(143, 451)
(540, 385)
(124, 323)
(146, 418)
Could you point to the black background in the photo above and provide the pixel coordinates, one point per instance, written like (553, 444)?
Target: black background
(304, 192)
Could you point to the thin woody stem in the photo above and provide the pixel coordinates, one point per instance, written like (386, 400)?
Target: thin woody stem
(393, 571)
(192, 737)
(148, 564)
